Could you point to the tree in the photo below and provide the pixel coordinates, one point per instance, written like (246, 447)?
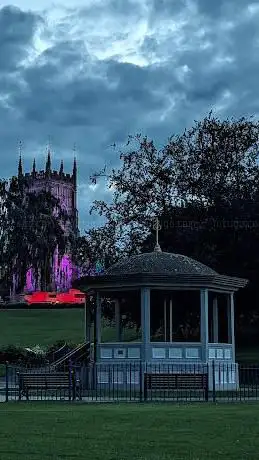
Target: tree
(48, 221)
(209, 173)
(215, 160)
(96, 247)
(13, 250)
(211, 164)
(32, 226)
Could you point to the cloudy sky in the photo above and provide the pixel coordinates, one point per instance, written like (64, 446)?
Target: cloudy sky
(91, 72)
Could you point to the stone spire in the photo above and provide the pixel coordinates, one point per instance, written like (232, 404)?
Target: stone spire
(34, 168)
(20, 169)
(48, 163)
(61, 170)
(74, 175)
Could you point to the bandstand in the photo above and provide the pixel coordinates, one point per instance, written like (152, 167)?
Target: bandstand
(156, 282)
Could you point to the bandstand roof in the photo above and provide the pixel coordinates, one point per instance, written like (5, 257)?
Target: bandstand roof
(162, 270)
(159, 262)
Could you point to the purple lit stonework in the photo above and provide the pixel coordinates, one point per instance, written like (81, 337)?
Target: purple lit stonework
(30, 284)
(64, 187)
(63, 273)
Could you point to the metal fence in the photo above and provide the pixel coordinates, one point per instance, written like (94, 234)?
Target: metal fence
(131, 382)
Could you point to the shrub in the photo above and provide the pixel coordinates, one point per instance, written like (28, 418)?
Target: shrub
(19, 355)
(55, 346)
(34, 356)
(12, 354)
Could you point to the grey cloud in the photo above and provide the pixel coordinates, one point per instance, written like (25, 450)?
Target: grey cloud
(74, 97)
(87, 100)
(210, 8)
(125, 8)
(218, 8)
(16, 32)
(166, 8)
(66, 54)
(208, 80)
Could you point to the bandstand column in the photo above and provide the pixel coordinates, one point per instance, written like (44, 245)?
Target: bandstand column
(87, 322)
(117, 320)
(215, 320)
(165, 322)
(204, 324)
(97, 325)
(231, 321)
(171, 320)
(145, 322)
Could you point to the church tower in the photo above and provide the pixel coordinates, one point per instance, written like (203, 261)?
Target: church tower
(62, 186)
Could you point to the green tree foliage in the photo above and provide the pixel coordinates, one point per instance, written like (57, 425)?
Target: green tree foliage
(96, 247)
(32, 226)
(210, 166)
(208, 174)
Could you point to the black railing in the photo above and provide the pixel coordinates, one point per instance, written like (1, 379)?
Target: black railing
(131, 382)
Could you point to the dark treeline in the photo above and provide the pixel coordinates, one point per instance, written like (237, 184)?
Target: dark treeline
(225, 240)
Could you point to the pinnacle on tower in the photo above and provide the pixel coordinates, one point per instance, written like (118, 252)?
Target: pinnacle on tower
(74, 171)
(74, 167)
(74, 175)
(61, 170)
(20, 171)
(48, 163)
(34, 167)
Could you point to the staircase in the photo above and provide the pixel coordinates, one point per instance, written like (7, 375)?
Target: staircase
(57, 354)
(65, 357)
(81, 352)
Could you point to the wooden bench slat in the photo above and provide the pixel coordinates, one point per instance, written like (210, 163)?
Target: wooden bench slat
(176, 381)
(38, 379)
(50, 381)
(47, 381)
(44, 384)
(36, 385)
(44, 380)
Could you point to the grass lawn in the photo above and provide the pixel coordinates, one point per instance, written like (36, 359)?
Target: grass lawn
(46, 326)
(248, 355)
(128, 432)
(43, 327)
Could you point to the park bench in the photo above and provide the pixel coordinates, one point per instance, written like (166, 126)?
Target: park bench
(169, 382)
(48, 381)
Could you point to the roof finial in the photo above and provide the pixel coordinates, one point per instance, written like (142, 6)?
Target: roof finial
(157, 227)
